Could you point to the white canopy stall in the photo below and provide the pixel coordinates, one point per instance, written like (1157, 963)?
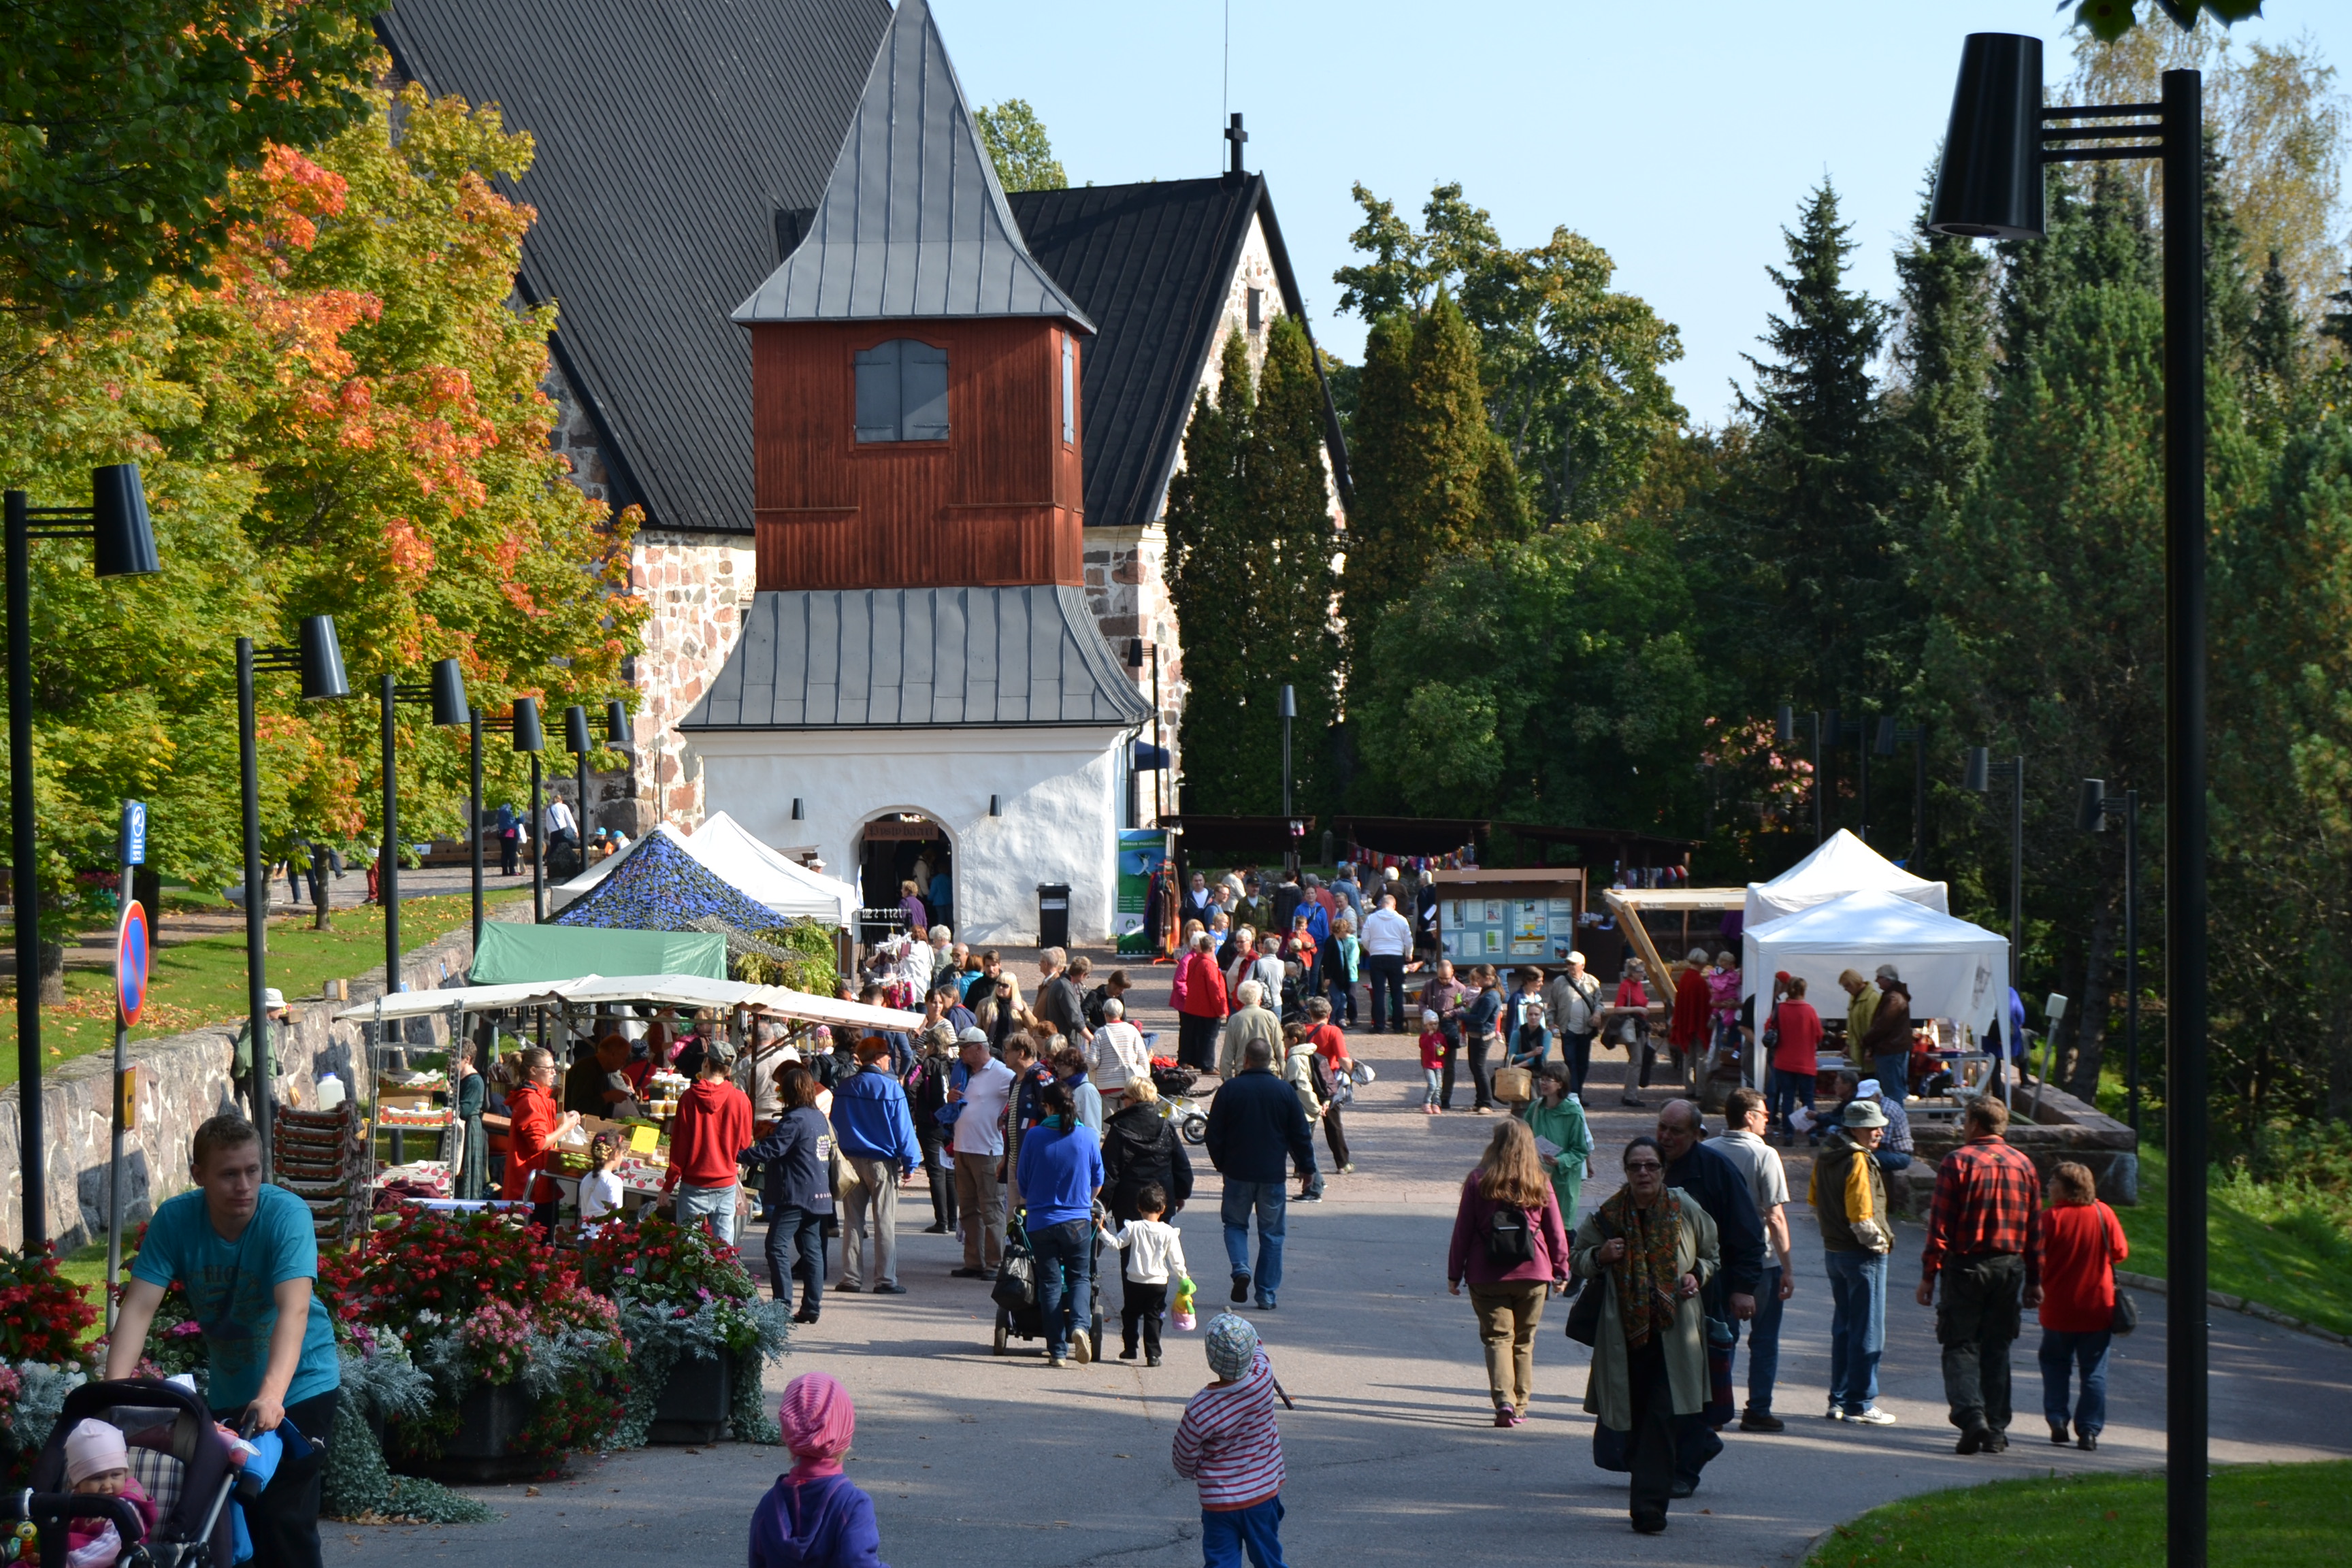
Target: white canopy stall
(1843, 865)
(1955, 969)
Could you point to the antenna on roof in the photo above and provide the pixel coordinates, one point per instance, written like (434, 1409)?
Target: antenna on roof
(1236, 135)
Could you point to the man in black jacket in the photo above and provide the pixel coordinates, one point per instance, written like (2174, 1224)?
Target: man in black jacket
(1722, 1189)
(1058, 1002)
(1257, 1130)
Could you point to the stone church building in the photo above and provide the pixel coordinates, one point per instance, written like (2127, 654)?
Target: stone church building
(902, 442)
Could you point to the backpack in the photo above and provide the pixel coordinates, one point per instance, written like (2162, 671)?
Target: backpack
(1509, 1241)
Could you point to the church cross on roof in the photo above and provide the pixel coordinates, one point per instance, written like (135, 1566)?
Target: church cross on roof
(912, 223)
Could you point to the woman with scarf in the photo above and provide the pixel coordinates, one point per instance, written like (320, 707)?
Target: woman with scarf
(816, 1517)
(1651, 1252)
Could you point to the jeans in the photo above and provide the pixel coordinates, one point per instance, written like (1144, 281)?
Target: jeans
(716, 1204)
(1065, 1298)
(793, 1229)
(284, 1521)
(1385, 973)
(1576, 1050)
(1228, 1532)
(1977, 1316)
(1764, 1339)
(2062, 1353)
(941, 1179)
(1343, 999)
(871, 1205)
(1432, 1075)
(1857, 1327)
(1270, 1201)
(1509, 1312)
(979, 1205)
(1895, 1075)
(1143, 1307)
(1789, 1091)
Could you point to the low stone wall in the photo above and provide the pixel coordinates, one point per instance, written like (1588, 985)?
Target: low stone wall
(184, 1080)
(2063, 1129)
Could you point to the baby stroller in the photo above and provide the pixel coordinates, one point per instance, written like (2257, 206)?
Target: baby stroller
(1019, 1311)
(176, 1456)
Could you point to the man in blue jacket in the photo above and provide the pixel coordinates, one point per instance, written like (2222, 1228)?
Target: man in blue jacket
(1257, 1130)
(1061, 1170)
(876, 1133)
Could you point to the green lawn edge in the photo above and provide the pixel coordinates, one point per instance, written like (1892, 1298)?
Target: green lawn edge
(200, 982)
(2261, 1516)
(2292, 1257)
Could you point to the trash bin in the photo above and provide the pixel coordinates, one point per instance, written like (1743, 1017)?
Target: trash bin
(1052, 914)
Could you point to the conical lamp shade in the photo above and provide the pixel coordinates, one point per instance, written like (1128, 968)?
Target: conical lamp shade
(126, 539)
(322, 660)
(449, 694)
(526, 737)
(1989, 185)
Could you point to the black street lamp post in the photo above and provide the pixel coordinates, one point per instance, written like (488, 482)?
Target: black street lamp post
(1982, 773)
(1784, 731)
(446, 692)
(2097, 809)
(1891, 735)
(1288, 709)
(524, 724)
(318, 655)
(576, 741)
(116, 521)
(1990, 187)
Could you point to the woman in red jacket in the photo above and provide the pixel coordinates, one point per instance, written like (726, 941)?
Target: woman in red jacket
(1511, 1244)
(2081, 1242)
(535, 1126)
(1201, 1010)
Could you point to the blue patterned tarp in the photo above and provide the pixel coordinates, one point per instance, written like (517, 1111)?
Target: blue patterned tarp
(660, 886)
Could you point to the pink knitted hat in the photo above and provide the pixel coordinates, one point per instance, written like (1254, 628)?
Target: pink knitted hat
(818, 1421)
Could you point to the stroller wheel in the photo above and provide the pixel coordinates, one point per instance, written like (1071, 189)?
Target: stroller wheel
(1195, 1129)
(1004, 1333)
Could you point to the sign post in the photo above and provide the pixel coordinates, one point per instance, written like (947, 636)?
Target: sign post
(132, 952)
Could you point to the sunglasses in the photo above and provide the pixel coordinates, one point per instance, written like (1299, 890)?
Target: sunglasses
(1635, 1165)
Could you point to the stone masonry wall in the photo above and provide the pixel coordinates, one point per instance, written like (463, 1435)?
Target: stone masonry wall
(183, 1079)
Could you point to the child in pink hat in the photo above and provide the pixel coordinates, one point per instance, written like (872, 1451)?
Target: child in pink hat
(813, 1517)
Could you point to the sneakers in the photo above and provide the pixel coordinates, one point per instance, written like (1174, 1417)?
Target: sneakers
(1754, 1420)
(1265, 1303)
(1506, 1417)
(1151, 1361)
(1347, 1170)
(1240, 1286)
(1428, 1108)
(1055, 1361)
(1835, 1412)
(1311, 1196)
(1081, 1349)
(1873, 1416)
(890, 1290)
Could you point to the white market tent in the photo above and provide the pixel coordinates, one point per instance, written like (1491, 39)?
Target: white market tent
(1955, 969)
(1843, 865)
(723, 848)
(769, 876)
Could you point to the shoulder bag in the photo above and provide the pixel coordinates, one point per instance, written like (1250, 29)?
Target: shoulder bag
(2126, 1316)
(1772, 1030)
(1508, 1241)
(1584, 1312)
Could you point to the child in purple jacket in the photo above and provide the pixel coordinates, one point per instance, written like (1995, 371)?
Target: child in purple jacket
(814, 1517)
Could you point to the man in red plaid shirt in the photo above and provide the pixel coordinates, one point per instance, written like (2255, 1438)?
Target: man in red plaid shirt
(1984, 1235)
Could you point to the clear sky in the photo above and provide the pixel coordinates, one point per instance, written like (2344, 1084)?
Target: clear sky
(1681, 137)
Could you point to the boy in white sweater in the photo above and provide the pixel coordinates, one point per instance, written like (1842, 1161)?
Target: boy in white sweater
(1155, 1258)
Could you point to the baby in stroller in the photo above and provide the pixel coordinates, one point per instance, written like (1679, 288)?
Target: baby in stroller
(137, 1472)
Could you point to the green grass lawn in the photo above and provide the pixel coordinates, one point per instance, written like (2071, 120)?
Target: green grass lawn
(86, 1267)
(2263, 1516)
(203, 981)
(2268, 1244)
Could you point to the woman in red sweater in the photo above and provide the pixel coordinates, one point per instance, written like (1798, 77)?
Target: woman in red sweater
(535, 1126)
(1512, 1265)
(2081, 1242)
(1201, 1011)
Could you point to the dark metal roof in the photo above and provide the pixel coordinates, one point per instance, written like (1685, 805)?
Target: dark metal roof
(912, 222)
(669, 139)
(1154, 264)
(905, 658)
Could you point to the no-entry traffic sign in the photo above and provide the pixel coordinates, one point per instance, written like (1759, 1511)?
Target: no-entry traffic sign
(131, 955)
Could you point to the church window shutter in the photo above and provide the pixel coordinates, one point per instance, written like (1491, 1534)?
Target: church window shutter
(877, 392)
(902, 391)
(1069, 389)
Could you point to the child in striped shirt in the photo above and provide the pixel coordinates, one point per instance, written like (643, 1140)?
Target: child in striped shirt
(1228, 1443)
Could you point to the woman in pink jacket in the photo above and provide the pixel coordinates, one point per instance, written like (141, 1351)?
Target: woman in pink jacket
(1511, 1244)
(1198, 998)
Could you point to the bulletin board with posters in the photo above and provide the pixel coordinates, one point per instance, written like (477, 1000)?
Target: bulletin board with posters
(1511, 917)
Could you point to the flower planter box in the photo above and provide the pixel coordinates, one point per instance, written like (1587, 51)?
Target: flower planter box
(694, 1402)
(482, 1449)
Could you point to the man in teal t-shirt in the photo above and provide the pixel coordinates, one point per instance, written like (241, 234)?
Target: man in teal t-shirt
(248, 1258)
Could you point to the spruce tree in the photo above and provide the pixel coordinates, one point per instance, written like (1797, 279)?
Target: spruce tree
(1817, 505)
(1943, 355)
(1286, 497)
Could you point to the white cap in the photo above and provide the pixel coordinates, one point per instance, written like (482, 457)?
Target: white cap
(1429, 1015)
(1574, 957)
(273, 998)
(1866, 1090)
(93, 1448)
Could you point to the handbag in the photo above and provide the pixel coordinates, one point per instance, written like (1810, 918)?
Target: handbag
(1515, 1084)
(1772, 1030)
(1016, 1280)
(2126, 1316)
(1584, 1312)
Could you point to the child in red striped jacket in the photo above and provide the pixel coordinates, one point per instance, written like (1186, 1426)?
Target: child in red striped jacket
(1228, 1443)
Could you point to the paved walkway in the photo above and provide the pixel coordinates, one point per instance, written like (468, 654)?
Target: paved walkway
(972, 1459)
